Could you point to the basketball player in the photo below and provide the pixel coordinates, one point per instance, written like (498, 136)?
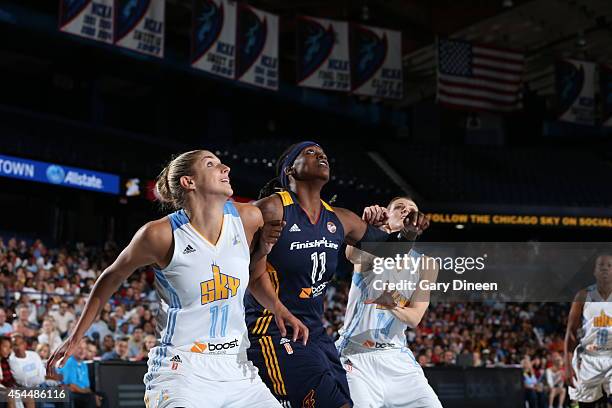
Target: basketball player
(301, 264)
(588, 360)
(372, 344)
(201, 257)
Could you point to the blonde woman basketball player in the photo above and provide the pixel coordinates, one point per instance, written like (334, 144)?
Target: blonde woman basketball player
(588, 360)
(381, 369)
(205, 255)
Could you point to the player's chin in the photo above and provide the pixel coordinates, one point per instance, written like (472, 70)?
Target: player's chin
(322, 173)
(226, 190)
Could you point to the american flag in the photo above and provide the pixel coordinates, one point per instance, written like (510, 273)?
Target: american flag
(475, 76)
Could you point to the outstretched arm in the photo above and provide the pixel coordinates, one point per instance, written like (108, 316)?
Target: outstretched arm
(357, 230)
(152, 244)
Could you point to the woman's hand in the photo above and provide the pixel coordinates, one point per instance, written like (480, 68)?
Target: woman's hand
(375, 215)
(62, 354)
(284, 317)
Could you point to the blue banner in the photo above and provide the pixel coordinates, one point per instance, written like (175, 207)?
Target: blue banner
(65, 176)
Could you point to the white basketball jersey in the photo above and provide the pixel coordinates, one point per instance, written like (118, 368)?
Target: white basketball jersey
(202, 289)
(367, 327)
(596, 321)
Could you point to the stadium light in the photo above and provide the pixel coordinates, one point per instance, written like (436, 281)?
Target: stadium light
(507, 4)
(365, 12)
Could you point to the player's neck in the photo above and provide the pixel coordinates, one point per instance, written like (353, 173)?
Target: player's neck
(309, 198)
(206, 216)
(604, 291)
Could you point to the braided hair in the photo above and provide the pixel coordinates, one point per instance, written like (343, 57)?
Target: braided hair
(275, 184)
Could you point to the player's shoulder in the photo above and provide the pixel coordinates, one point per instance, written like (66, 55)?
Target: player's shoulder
(157, 231)
(271, 207)
(249, 214)
(344, 214)
(583, 294)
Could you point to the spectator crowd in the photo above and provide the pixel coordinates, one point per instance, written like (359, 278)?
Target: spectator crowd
(43, 291)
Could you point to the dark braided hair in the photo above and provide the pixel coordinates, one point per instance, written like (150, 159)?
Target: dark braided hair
(274, 184)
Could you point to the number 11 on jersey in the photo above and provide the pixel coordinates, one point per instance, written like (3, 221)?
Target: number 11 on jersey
(318, 266)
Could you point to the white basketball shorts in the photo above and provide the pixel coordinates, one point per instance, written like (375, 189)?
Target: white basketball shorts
(390, 379)
(192, 380)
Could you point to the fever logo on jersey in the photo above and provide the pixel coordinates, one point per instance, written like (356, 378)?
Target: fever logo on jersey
(309, 401)
(602, 320)
(221, 286)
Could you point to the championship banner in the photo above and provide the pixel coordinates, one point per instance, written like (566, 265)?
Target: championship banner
(257, 47)
(605, 79)
(139, 26)
(213, 37)
(323, 54)
(576, 91)
(87, 18)
(376, 62)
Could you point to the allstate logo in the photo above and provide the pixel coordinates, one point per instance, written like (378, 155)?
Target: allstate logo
(55, 174)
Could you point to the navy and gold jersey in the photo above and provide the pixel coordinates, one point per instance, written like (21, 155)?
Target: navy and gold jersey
(300, 266)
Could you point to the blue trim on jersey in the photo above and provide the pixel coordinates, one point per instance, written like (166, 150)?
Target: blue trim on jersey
(160, 354)
(178, 219)
(230, 208)
(406, 350)
(175, 306)
(359, 281)
(150, 374)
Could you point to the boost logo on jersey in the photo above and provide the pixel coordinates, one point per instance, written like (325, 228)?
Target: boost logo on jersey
(312, 292)
(221, 286)
(377, 345)
(214, 348)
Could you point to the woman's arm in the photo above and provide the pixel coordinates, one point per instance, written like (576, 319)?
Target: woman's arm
(262, 236)
(571, 335)
(152, 244)
(357, 230)
(419, 301)
(260, 244)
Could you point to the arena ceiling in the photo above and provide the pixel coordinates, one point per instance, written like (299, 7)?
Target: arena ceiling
(543, 29)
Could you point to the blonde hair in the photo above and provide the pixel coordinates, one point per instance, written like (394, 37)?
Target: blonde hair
(168, 184)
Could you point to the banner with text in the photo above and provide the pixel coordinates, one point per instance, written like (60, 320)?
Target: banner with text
(213, 37)
(576, 91)
(87, 18)
(527, 220)
(139, 26)
(257, 47)
(323, 54)
(605, 79)
(50, 173)
(376, 62)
